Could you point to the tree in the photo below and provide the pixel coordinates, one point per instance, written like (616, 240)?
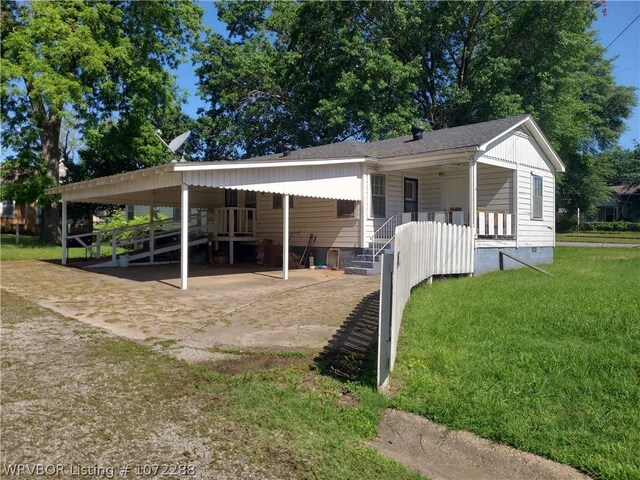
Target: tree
(621, 166)
(317, 72)
(300, 74)
(81, 62)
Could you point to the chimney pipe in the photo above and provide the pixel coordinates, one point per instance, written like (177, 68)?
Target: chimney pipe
(286, 149)
(417, 132)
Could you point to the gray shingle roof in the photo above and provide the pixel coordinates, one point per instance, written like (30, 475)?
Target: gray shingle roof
(466, 136)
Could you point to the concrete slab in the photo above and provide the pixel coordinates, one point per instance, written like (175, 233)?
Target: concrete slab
(240, 306)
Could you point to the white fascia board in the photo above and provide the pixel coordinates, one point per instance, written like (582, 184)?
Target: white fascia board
(496, 162)
(158, 170)
(201, 166)
(540, 138)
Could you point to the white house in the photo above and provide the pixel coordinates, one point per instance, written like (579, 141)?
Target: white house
(497, 177)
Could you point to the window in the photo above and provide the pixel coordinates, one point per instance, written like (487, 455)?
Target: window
(277, 201)
(411, 195)
(607, 214)
(8, 209)
(230, 198)
(130, 212)
(346, 208)
(536, 197)
(378, 196)
(250, 200)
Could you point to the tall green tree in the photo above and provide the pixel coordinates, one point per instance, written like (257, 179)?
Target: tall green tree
(84, 63)
(621, 166)
(309, 73)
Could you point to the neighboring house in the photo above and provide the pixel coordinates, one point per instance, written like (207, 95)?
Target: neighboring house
(497, 176)
(623, 205)
(27, 216)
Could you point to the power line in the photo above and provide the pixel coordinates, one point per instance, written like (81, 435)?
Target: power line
(625, 29)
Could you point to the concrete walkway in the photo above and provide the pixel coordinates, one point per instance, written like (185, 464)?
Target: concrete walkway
(243, 307)
(443, 454)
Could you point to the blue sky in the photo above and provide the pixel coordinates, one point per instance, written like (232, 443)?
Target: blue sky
(626, 48)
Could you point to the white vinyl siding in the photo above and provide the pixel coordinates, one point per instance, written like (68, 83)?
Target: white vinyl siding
(532, 232)
(311, 216)
(495, 189)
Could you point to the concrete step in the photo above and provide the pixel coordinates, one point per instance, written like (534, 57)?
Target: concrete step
(374, 270)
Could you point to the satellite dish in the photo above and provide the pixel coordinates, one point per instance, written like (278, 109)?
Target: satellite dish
(177, 142)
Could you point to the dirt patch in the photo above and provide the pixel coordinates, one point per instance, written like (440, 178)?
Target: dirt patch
(445, 454)
(75, 396)
(240, 364)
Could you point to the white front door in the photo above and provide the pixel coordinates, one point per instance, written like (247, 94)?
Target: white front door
(454, 194)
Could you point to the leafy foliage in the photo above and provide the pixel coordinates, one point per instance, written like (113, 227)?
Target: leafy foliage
(310, 73)
(610, 226)
(119, 220)
(621, 166)
(83, 63)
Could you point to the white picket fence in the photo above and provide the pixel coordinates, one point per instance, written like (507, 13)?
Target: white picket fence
(422, 250)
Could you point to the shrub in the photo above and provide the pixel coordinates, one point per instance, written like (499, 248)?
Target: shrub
(610, 227)
(566, 223)
(119, 220)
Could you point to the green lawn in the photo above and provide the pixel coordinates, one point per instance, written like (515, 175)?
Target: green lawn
(30, 248)
(600, 237)
(547, 364)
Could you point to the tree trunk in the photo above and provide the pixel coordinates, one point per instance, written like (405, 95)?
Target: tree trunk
(50, 232)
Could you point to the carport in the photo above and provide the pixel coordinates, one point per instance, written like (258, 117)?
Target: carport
(189, 185)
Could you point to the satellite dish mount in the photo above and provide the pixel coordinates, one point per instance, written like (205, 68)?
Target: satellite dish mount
(175, 144)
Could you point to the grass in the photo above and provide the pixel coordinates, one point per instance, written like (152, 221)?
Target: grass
(30, 248)
(291, 420)
(546, 364)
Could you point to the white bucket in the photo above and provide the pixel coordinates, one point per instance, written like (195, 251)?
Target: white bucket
(124, 260)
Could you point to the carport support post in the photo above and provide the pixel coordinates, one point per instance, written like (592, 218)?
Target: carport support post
(64, 232)
(184, 236)
(285, 237)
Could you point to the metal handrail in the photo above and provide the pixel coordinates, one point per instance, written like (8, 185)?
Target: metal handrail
(384, 235)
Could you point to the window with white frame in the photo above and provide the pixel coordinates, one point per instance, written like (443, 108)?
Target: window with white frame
(250, 199)
(277, 201)
(230, 198)
(346, 209)
(8, 209)
(536, 197)
(378, 196)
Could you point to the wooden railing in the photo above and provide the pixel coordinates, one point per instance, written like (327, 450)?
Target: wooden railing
(495, 224)
(233, 222)
(132, 237)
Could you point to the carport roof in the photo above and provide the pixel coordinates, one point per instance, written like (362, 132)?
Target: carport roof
(294, 173)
